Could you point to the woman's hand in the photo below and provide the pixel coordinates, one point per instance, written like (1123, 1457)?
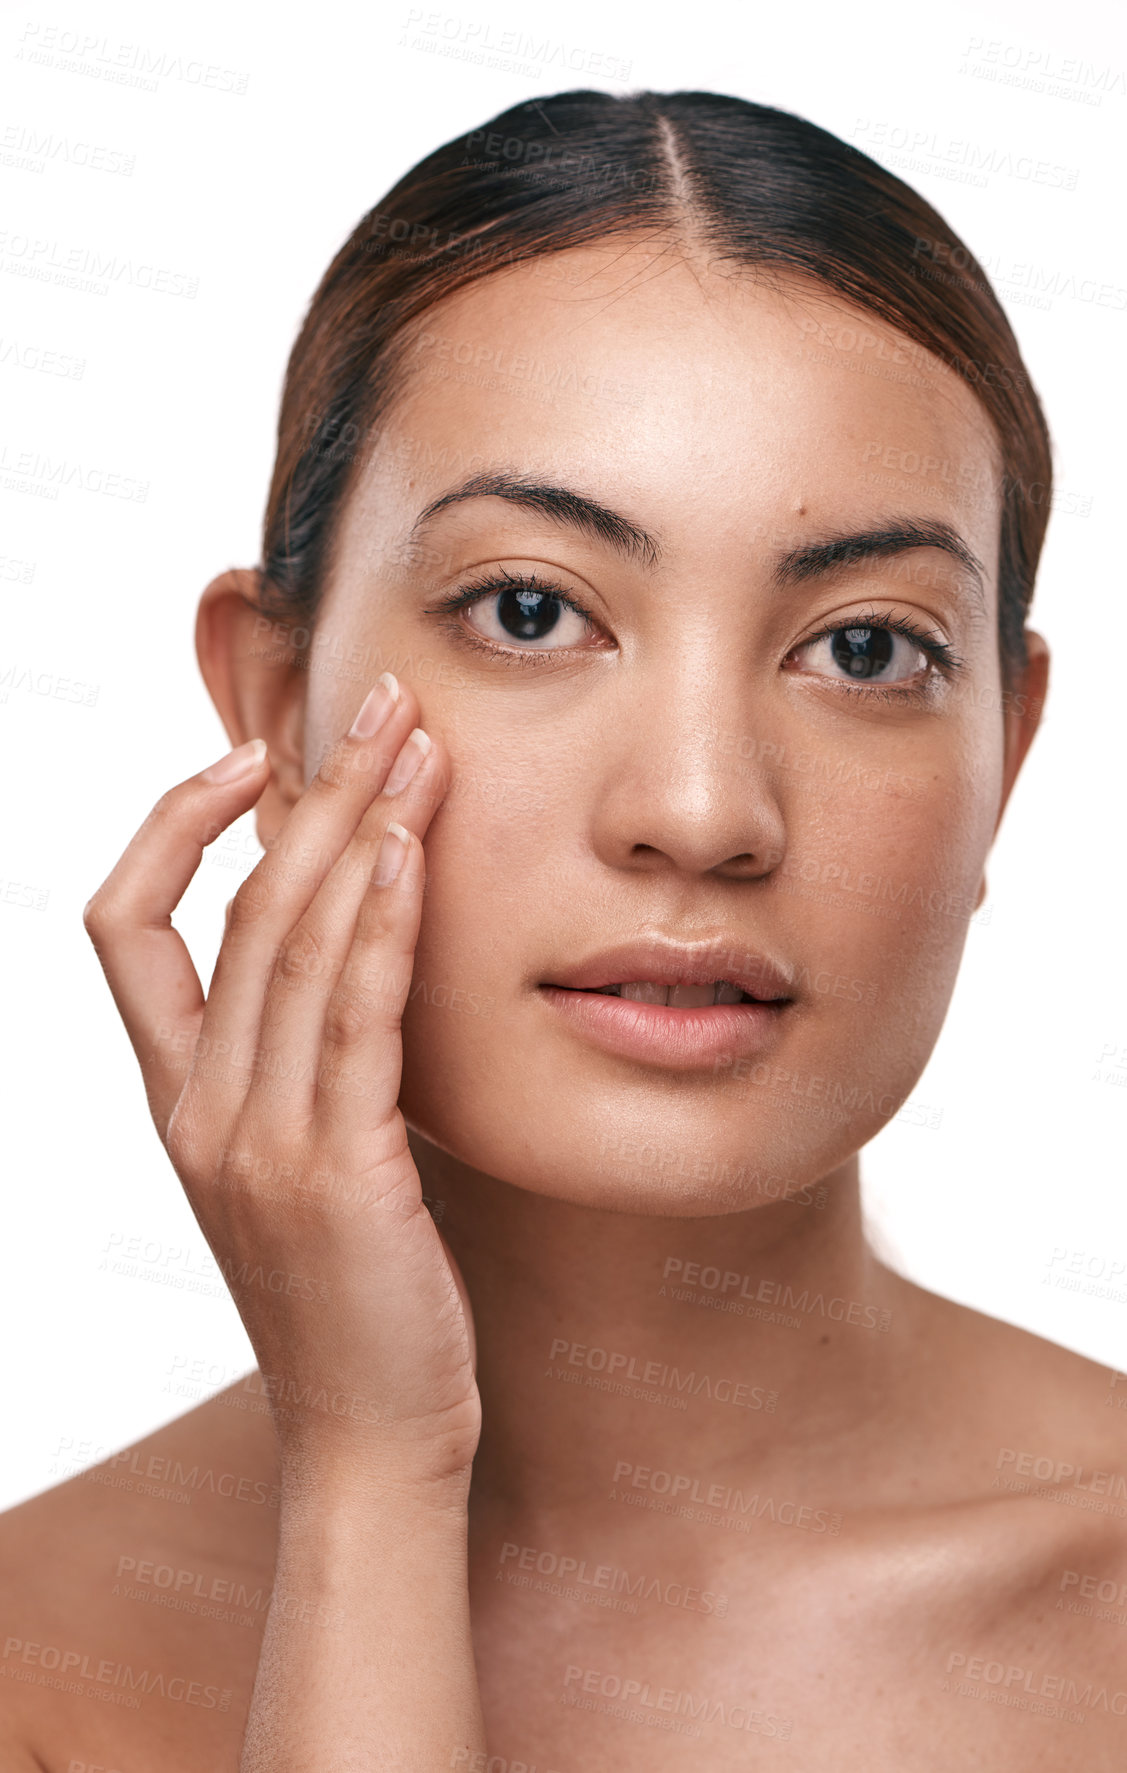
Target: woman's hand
(276, 1098)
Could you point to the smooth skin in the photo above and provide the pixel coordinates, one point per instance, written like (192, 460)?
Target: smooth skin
(685, 762)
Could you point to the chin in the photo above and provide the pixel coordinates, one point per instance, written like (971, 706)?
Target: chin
(634, 1154)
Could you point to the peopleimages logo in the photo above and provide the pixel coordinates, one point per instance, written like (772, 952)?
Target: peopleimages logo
(1095, 1588)
(682, 1487)
(1043, 71)
(609, 1578)
(1011, 1676)
(84, 267)
(1059, 1481)
(123, 64)
(673, 1163)
(675, 1701)
(28, 470)
(660, 1374)
(1061, 1471)
(76, 1665)
(691, 1275)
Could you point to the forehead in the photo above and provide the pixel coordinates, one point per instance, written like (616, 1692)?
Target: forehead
(712, 404)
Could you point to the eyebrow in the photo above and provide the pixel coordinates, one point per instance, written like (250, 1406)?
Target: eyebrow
(897, 536)
(796, 566)
(561, 504)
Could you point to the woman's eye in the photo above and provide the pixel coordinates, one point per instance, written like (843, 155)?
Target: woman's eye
(539, 619)
(863, 654)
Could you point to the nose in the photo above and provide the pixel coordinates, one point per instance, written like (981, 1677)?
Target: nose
(685, 783)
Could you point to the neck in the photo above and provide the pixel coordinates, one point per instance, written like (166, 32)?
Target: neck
(742, 1347)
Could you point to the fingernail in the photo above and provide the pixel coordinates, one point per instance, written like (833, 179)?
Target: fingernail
(238, 762)
(376, 707)
(392, 851)
(415, 747)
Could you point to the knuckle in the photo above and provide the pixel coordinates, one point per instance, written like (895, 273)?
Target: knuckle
(184, 1143)
(249, 902)
(254, 1161)
(348, 1016)
(376, 922)
(348, 759)
(171, 808)
(368, 837)
(162, 808)
(344, 761)
(101, 912)
(93, 914)
(301, 957)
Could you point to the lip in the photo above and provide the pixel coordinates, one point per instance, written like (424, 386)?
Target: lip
(675, 1038)
(666, 962)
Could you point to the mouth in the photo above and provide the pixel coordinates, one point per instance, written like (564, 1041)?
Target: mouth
(683, 1028)
(663, 1003)
(681, 997)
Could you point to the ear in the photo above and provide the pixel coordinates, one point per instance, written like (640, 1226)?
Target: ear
(257, 679)
(1022, 708)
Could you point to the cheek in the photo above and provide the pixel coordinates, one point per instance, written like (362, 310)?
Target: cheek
(493, 847)
(495, 891)
(877, 889)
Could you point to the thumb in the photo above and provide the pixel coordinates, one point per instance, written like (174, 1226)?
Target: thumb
(463, 1294)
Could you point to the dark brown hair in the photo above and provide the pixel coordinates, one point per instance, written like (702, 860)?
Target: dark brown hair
(750, 185)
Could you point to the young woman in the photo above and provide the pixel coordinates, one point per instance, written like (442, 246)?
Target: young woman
(629, 696)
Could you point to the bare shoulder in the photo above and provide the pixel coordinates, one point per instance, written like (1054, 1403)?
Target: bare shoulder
(983, 1561)
(1057, 1416)
(137, 1593)
(1023, 1434)
(1053, 1427)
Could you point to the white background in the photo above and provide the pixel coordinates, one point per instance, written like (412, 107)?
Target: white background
(250, 193)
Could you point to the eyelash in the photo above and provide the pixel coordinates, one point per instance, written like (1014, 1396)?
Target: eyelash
(501, 581)
(942, 655)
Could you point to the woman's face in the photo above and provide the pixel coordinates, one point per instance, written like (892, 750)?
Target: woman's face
(686, 761)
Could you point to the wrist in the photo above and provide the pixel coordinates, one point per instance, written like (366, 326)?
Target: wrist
(345, 1476)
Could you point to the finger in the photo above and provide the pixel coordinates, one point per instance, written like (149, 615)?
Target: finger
(361, 1051)
(311, 958)
(129, 919)
(281, 885)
